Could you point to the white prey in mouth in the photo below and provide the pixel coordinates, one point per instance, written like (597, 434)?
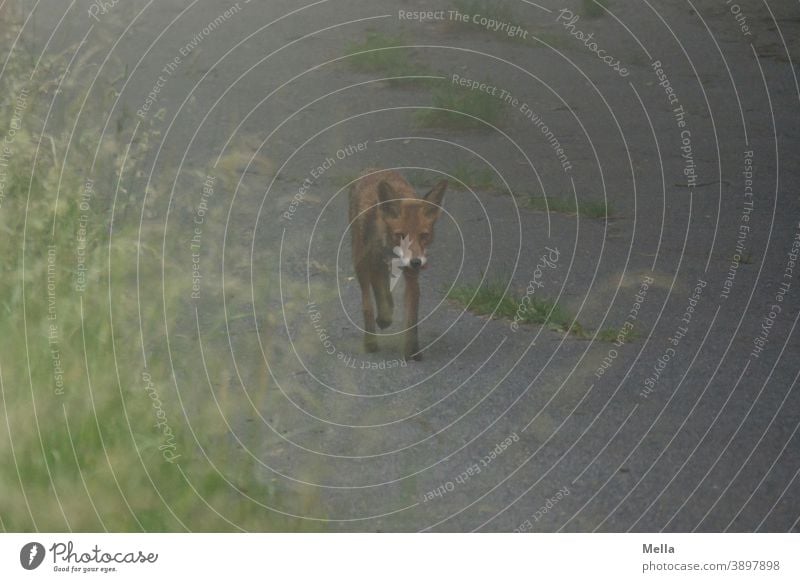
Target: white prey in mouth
(403, 259)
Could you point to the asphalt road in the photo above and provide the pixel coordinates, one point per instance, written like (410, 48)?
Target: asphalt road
(692, 141)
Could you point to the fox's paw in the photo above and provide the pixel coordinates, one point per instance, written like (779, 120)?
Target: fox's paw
(383, 323)
(370, 345)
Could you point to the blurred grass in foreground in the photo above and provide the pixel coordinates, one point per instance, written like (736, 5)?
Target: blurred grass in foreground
(94, 438)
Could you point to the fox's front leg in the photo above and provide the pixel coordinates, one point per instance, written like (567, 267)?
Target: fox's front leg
(370, 339)
(383, 295)
(412, 313)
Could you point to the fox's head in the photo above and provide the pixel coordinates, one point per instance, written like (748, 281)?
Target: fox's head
(410, 221)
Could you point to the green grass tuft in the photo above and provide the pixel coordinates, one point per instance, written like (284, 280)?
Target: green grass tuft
(565, 205)
(496, 10)
(477, 104)
(490, 298)
(612, 335)
(595, 209)
(473, 176)
(377, 55)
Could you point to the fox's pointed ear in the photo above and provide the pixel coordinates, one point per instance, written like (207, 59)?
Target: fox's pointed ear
(388, 199)
(435, 197)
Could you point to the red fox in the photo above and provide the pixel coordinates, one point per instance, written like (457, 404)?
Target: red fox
(389, 221)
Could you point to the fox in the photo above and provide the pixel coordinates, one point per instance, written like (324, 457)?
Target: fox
(390, 221)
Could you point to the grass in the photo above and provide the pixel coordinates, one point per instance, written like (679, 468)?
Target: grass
(497, 10)
(594, 8)
(376, 55)
(473, 177)
(502, 13)
(611, 335)
(565, 205)
(491, 299)
(82, 448)
(465, 106)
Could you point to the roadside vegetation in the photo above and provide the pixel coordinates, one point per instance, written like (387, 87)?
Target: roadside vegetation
(460, 108)
(564, 205)
(492, 299)
(378, 54)
(496, 10)
(105, 426)
(474, 176)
